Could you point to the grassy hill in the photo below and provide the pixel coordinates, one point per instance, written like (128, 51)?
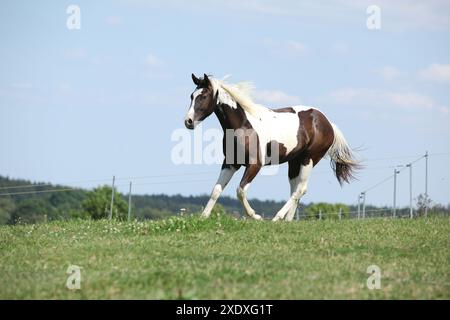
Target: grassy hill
(226, 258)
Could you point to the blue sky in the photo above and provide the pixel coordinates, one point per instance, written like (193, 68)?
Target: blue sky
(77, 106)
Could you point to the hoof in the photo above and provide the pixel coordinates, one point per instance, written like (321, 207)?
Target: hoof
(257, 217)
(276, 218)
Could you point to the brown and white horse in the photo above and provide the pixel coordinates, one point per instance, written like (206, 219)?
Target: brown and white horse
(298, 135)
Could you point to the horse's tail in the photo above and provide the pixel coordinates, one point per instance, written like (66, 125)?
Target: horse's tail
(343, 161)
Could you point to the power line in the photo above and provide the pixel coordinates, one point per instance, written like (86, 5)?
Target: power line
(392, 175)
(41, 191)
(38, 185)
(71, 189)
(106, 180)
(183, 181)
(25, 186)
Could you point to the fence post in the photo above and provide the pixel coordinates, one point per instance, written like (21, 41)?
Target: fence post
(426, 183)
(320, 214)
(129, 203)
(394, 213)
(410, 191)
(340, 213)
(359, 205)
(364, 204)
(112, 199)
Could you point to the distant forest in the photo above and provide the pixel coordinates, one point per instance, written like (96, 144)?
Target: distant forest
(30, 202)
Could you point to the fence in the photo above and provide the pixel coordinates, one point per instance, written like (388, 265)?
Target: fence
(403, 213)
(361, 213)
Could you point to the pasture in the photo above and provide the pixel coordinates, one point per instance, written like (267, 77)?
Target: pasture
(224, 258)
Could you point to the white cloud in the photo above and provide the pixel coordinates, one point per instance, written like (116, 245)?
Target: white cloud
(297, 47)
(275, 98)
(395, 15)
(152, 60)
(382, 98)
(156, 68)
(290, 48)
(406, 14)
(410, 100)
(113, 20)
(388, 72)
(340, 48)
(436, 73)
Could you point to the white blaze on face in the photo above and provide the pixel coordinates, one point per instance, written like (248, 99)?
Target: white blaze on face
(191, 111)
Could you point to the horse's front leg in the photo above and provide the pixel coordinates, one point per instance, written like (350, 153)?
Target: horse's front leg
(250, 172)
(225, 176)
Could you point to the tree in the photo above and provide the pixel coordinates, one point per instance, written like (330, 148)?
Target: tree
(7, 207)
(422, 202)
(33, 210)
(98, 201)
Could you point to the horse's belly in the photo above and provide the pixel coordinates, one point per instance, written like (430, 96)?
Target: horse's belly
(277, 133)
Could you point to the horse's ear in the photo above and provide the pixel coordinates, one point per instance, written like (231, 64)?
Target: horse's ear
(206, 79)
(195, 79)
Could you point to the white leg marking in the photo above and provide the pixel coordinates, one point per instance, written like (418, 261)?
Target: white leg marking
(301, 184)
(294, 184)
(224, 178)
(242, 196)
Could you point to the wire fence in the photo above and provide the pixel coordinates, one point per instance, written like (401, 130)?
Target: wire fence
(375, 213)
(361, 213)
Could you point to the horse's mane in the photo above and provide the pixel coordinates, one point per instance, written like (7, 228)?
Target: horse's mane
(241, 93)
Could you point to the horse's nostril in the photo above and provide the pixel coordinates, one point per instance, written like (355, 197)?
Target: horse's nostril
(189, 123)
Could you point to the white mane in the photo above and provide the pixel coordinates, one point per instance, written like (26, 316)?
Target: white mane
(240, 93)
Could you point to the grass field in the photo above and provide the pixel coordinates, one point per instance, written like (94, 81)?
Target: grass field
(191, 258)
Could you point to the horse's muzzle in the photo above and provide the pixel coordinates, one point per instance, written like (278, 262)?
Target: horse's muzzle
(189, 123)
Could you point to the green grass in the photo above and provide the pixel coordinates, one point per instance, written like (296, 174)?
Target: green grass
(224, 258)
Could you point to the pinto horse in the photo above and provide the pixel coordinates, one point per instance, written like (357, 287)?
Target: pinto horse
(298, 135)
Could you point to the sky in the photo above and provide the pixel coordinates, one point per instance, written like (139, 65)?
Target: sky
(80, 105)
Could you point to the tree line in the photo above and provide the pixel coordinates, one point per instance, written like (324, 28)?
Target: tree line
(78, 203)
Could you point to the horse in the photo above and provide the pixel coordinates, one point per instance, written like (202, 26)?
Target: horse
(298, 135)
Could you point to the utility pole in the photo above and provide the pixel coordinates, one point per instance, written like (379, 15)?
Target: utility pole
(395, 192)
(363, 194)
(112, 199)
(410, 191)
(129, 203)
(426, 183)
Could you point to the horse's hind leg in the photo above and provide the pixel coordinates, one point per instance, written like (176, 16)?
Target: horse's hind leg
(290, 215)
(250, 172)
(299, 172)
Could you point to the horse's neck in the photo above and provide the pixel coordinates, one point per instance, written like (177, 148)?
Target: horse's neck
(231, 118)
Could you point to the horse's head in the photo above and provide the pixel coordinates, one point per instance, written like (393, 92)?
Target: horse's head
(202, 102)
